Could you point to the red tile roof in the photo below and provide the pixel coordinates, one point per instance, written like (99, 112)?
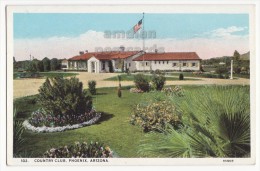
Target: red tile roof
(168, 56)
(104, 55)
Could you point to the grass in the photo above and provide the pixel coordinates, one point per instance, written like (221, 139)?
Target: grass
(113, 129)
(206, 75)
(125, 77)
(47, 74)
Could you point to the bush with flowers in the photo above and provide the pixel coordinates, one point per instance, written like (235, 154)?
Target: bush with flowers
(80, 150)
(64, 102)
(177, 91)
(136, 90)
(155, 115)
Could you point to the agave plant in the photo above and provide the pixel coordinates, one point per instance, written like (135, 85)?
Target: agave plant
(216, 124)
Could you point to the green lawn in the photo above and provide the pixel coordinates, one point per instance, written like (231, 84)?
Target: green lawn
(125, 77)
(113, 129)
(206, 75)
(46, 74)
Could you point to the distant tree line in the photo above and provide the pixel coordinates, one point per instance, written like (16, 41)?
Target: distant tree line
(36, 65)
(239, 65)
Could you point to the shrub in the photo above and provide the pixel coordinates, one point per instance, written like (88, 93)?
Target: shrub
(220, 76)
(221, 70)
(177, 91)
(80, 150)
(181, 77)
(135, 90)
(61, 97)
(218, 127)
(155, 116)
(158, 72)
(119, 93)
(142, 82)
(18, 131)
(158, 81)
(92, 87)
(209, 76)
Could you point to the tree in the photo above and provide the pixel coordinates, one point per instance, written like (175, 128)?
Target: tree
(236, 55)
(237, 62)
(39, 66)
(123, 67)
(54, 64)
(32, 66)
(46, 64)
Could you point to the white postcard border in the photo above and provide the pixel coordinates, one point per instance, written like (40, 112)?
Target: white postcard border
(116, 8)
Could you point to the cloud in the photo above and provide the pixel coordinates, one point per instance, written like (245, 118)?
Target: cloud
(227, 33)
(220, 43)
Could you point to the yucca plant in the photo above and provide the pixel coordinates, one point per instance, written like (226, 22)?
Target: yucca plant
(216, 124)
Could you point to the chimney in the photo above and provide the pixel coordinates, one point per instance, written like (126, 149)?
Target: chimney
(81, 52)
(122, 48)
(86, 51)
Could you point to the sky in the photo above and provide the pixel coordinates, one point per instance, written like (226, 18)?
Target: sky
(63, 35)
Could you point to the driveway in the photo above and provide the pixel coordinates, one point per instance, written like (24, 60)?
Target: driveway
(26, 87)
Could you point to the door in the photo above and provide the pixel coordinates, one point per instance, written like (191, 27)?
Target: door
(93, 68)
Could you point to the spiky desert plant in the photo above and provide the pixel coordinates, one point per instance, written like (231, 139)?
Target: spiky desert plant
(217, 124)
(18, 131)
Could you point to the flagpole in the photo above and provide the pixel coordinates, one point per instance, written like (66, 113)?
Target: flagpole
(143, 33)
(143, 42)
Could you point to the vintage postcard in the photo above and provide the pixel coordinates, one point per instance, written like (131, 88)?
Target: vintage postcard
(131, 85)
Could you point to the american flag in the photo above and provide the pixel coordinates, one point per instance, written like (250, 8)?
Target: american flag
(138, 26)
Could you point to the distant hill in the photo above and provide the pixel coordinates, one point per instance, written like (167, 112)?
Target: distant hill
(245, 57)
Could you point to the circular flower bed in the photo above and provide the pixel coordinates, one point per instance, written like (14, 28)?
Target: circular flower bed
(40, 121)
(80, 150)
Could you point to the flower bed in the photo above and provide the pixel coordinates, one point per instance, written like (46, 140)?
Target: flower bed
(52, 128)
(136, 90)
(42, 118)
(80, 150)
(177, 90)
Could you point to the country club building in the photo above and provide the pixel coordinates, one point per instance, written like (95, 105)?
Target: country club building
(97, 62)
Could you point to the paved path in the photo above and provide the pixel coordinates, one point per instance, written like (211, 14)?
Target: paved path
(26, 87)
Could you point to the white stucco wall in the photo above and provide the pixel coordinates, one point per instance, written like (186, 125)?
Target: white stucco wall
(96, 63)
(133, 64)
(167, 65)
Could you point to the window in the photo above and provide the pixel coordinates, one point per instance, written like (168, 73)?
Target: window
(167, 62)
(193, 64)
(154, 62)
(129, 64)
(184, 64)
(159, 62)
(146, 63)
(163, 62)
(174, 64)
